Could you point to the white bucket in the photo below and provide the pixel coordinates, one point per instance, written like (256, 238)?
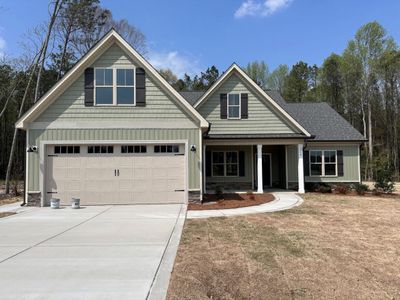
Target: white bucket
(54, 203)
(75, 203)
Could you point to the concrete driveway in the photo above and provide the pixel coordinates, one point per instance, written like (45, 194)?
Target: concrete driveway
(97, 252)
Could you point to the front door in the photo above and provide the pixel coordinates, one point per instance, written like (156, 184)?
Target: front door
(266, 162)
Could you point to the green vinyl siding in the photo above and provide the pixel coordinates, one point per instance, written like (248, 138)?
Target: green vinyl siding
(262, 118)
(70, 105)
(36, 136)
(351, 166)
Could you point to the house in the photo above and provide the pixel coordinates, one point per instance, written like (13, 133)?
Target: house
(113, 131)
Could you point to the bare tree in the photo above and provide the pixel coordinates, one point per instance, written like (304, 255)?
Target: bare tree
(42, 57)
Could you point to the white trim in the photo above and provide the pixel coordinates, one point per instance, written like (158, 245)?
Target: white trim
(286, 169)
(253, 171)
(236, 105)
(300, 168)
(200, 149)
(224, 163)
(234, 67)
(260, 182)
(45, 143)
(110, 38)
(204, 170)
(26, 166)
(115, 124)
(359, 165)
(322, 163)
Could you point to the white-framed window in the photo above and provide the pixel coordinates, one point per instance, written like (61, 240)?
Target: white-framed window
(225, 163)
(125, 87)
(323, 163)
(114, 86)
(233, 103)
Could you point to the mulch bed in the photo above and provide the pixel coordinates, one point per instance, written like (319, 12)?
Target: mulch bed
(226, 201)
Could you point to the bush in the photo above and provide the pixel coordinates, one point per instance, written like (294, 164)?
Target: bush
(324, 188)
(342, 188)
(360, 188)
(384, 176)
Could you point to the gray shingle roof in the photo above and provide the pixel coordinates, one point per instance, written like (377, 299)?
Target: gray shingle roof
(318, 118)
(192, 97)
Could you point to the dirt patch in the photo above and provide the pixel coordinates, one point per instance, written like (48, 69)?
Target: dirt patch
(6, 214)
(231, 201)
(330, 247)
(8, 199)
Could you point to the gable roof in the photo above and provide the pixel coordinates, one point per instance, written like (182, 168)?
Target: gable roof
(235, 69)
(320, 119)
(192, 96)
(110, 38)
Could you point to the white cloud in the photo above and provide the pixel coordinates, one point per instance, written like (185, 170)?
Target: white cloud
(177, 62)
(263, 9)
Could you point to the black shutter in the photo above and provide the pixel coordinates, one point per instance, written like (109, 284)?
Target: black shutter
(89, 87)
(208, 163)
(140, 87)
(306, 160)
(223, 105)
(340, 163)
(244, 106)
(241, 164)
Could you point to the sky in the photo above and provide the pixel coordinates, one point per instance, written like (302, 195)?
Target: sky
(191, 35)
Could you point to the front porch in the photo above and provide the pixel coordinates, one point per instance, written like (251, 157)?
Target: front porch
(258, 168)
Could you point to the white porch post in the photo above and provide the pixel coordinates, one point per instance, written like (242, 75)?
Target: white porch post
(300, 168)
(204, 170)
(259, 170)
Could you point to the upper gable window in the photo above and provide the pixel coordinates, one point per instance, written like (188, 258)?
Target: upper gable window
(233, 106)
(114, 86)
(125, 86)
(104, 86)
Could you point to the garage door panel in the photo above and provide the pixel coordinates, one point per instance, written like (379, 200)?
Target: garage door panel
(143, 178)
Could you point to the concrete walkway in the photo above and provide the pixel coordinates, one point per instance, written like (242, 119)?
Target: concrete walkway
(97, 252)
(283, 200)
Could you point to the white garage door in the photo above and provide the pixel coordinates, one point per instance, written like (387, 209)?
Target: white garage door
(116, 174)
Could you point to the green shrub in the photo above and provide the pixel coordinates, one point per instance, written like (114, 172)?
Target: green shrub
(342, 188)
(384, 175)
(324, 188)
(361, 188)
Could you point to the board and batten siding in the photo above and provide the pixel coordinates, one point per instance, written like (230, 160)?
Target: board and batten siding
(159, 105)
(36, 136)
(262, 119)
(351, 167)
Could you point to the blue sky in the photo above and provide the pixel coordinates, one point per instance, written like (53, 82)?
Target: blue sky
(190, 35)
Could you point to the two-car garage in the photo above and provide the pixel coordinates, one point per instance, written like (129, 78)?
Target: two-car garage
(116, 173)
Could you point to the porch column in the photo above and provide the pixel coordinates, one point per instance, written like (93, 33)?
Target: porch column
(260, 187)
(300, 168)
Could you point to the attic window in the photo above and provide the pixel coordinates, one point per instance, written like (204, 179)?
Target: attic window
(233, 106)
(114, 86)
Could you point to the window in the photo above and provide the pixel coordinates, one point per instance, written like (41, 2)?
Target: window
(104, 86)
(323, 163)
(100, 149)
(114, 86)
(125, 87)
(133, 149)
(233, 106)
(67, 149)
(166, 148)
(225, 163)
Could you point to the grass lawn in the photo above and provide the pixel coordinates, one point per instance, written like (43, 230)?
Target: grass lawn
(332, 246)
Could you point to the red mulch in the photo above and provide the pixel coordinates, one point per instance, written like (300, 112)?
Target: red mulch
(231, 201)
